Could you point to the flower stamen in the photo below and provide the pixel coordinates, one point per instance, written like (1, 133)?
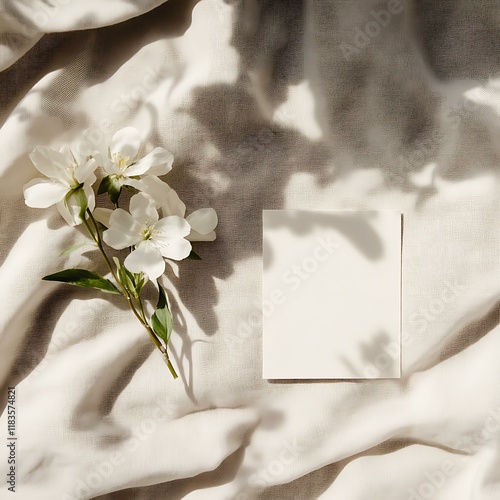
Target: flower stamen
(122, 162)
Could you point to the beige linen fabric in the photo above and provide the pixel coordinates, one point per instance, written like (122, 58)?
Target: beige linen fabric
(265, 105)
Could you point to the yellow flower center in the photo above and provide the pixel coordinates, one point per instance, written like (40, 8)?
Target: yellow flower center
(122, 162)
(148, 231)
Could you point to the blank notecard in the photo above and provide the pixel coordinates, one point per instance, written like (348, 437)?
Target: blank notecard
(331, 294)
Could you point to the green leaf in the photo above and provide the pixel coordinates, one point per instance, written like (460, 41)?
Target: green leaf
(127, 279)
(122, 274)
(193, 256)
(75, 247)
(84, 278)
(104, 185)
(110, 185)
(133, 282)
(161, 321)
(117, 262)
(139, 280)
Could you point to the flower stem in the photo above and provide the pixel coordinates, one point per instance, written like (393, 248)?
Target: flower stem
(140, 315)
(170, 366)
(97, 239)
(155, 339)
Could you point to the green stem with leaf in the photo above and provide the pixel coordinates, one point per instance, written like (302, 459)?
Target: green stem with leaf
(138, 311)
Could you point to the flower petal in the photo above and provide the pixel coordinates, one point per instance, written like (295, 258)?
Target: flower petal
(51, 163)
(135, 183)
(102, 215)
(69, 159)
(195, 236)
(203, 220)
(69, 211)
(103, 161)
(126, 142)
(89, 193)
(172, 204)
(157, 162)
(123, 230)
(162, 193)
(70, 207)
(143, 209)
(172, 226)
(93, 142)
(108, 165)
(85, 170)
(167, 160)
(175, 248)
(42, 193)
(146, 258)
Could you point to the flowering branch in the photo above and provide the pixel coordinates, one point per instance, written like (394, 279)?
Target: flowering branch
(68, 184)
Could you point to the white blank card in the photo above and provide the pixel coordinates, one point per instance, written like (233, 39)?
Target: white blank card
(331, 294)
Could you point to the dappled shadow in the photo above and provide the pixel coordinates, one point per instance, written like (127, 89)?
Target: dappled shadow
(184, 358)
(374, 111)
(269, 38)
(257, 176)
(377, 114)
(380, 108)
(380, 358)
(354, 226)
(460, 39)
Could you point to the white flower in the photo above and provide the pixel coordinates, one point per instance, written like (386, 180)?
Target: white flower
(202, 221)
(153, 238)
(120, 159)
(68, 177)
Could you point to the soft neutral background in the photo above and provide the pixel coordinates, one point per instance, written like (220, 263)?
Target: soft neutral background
(263, 107)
